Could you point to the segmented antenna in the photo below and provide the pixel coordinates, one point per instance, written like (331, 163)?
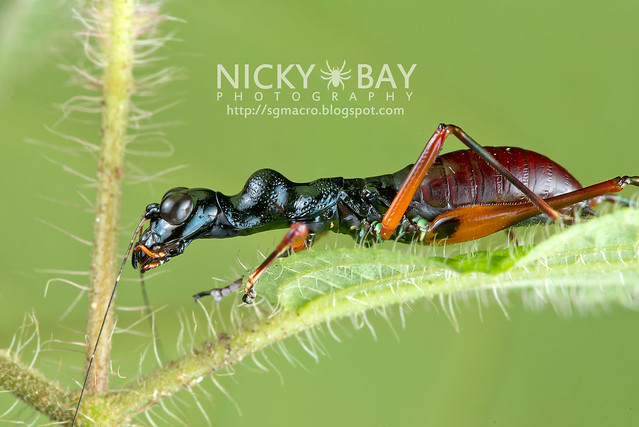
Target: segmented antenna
(97, 341)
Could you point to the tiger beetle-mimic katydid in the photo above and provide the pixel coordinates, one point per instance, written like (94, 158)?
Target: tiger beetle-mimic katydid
(457, 197)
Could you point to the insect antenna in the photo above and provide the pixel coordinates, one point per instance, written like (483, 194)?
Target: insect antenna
(106, 312)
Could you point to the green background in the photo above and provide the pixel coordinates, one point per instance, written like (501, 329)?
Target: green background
(556, 77)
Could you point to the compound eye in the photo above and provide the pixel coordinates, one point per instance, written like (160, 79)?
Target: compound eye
(176, 206)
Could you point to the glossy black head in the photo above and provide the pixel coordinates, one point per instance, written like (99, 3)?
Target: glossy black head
(182, 215)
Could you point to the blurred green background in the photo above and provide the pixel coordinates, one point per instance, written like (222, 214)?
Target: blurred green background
(556, 77)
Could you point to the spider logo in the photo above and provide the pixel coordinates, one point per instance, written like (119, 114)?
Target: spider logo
(335, 76)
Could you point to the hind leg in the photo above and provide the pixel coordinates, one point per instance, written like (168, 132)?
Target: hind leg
(472, 222)
(404, 196)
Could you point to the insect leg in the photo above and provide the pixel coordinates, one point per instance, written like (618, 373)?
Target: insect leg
(219, 293)
(417, 174)
(296, 239)
(472, 222)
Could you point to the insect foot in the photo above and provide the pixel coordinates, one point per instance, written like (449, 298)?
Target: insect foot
(630, 180)
(249, 296)
(219, 293)
(419, 226)
(369, 232)
(216, 293)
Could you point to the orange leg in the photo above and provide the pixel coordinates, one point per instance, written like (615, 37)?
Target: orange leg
(472, 222)
(295, 237)
(407, 191)
(295, 240)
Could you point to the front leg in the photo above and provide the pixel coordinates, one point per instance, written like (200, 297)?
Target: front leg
(296, 239)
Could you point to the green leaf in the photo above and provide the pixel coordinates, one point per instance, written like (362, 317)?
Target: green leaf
(594, 262)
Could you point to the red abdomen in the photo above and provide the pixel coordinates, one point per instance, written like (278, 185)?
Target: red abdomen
(463, 178)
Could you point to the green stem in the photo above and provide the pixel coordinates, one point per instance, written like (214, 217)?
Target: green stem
(118, 83)
(28, 384)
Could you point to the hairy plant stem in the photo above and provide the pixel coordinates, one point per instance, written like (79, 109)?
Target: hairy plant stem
(208, 358)
(41, 393)
(117, 78)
